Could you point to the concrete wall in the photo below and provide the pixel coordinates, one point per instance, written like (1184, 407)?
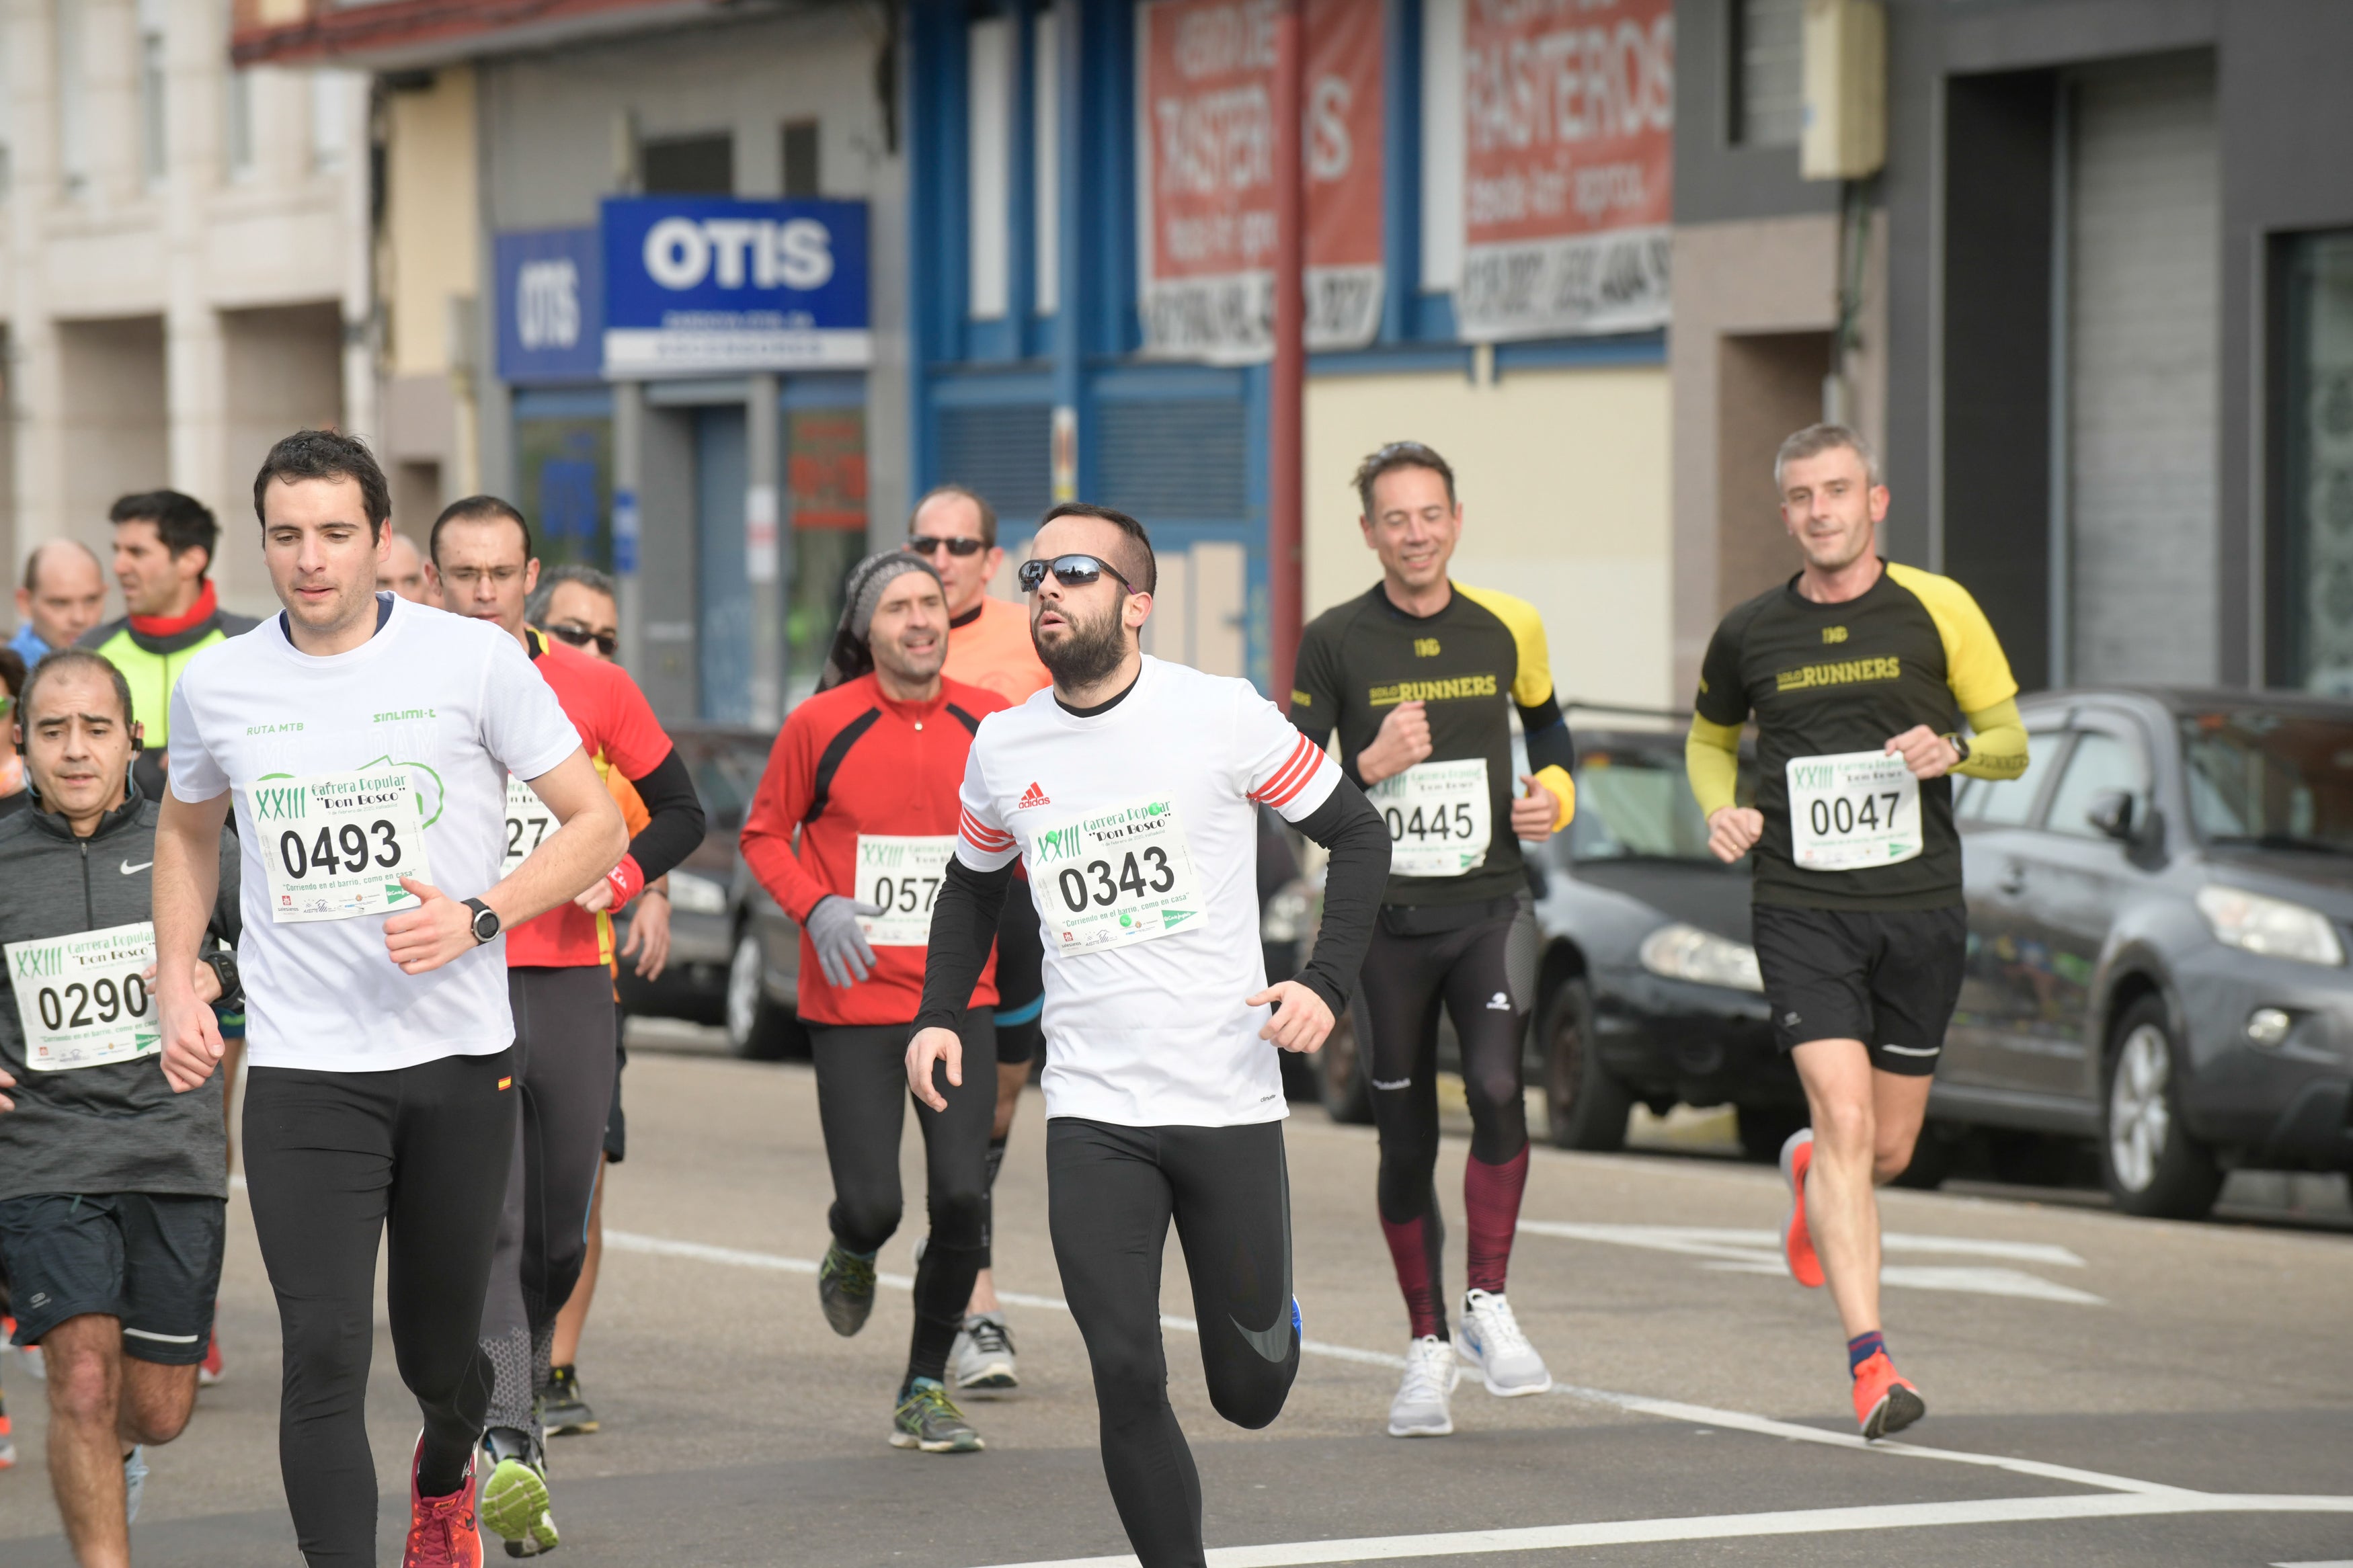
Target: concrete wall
(284, 372)
(1563, 474)
(110, 421)
(428, 260)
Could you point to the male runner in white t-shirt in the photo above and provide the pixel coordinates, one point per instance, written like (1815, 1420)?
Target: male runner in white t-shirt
(1130, 789)
(367, 741)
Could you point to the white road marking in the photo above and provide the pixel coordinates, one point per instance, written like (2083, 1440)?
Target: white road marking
(1759, 1252)
(1738, 1526)
(2334, 1563)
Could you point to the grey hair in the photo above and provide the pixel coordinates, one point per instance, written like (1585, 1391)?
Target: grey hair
(1816, 439)
(535, 609)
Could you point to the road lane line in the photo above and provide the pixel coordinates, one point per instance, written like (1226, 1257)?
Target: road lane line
(1667, 1409)
(1759, 1252)
(1738, 1526)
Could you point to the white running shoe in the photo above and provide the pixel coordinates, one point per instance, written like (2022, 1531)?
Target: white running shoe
(134, 1482)
(1421, 1408)
(1492, 1341)
(982, 1359)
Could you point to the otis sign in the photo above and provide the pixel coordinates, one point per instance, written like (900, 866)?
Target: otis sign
(697, 285)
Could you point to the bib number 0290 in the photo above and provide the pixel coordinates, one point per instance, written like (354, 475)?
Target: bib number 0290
(82, 999)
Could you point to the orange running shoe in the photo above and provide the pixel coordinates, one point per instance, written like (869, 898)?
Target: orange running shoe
(442, 1533)
(211, 1371)
(1796, 1243)
(1883, 1403)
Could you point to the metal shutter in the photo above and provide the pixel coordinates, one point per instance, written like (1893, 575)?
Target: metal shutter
(1174, 461)
(1004, 453)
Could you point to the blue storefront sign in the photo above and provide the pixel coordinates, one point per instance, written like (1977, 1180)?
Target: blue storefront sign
(551, 306)
(705, 285)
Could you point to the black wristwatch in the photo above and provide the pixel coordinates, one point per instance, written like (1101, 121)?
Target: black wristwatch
(485, 921)
(1961, 747)
(222, 962)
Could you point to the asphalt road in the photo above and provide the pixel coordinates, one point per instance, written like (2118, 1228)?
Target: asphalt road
(2101, 1389)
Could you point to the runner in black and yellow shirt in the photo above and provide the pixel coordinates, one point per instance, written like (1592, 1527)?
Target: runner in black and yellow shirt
(1859, 673)
(1421, 675)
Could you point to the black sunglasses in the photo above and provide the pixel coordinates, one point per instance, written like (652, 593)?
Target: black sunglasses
(581, 636)
(1070, 570)
(925, 544)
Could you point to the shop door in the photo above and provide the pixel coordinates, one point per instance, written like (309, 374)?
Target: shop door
(720, 475)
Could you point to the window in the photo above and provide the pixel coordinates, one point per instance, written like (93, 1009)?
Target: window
(1045, 104)
(1442, 145)
(989, 141)
(73, 97)
(2317, 492)
(800, 158)
(331, 124)
(689, 165)
(2008, 803)
(2277, 778)
(2099, 762)
(1768, 72)
(153, 141)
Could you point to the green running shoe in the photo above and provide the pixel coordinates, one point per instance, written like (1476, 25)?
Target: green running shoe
(515, 1502)
(844, 1288)
(927, 1420)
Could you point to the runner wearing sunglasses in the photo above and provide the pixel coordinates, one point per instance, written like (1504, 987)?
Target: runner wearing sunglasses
(1131, 791)
(954, 531)
(1420, 677)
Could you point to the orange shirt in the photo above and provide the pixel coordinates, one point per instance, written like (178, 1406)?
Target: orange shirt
(992, 648)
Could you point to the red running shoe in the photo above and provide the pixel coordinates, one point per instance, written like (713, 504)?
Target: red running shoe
(1796, 1243)
(211, 1371)
(441, 1529)
(1883, 1403)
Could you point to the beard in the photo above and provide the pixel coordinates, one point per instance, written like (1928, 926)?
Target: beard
(1088, 652)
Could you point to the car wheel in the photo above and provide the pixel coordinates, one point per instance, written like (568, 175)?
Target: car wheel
(1765, 1128)
(1585, 1105)
(2149, 1161)
(1339, 1074)
(758, 1029)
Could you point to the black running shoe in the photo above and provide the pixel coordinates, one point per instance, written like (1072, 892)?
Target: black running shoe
(562, 1409)
(844, 1288)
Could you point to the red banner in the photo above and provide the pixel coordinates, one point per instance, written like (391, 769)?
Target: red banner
(1205, 139)
(1568, 175)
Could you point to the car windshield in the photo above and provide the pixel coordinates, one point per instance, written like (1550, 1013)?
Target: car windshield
(1636, 805)
(2278, 780)
(726, 777)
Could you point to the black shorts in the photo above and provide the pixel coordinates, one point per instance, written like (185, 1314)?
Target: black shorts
(616, 1125)
(1889, 978)
(152, 1260)
(1021, 978)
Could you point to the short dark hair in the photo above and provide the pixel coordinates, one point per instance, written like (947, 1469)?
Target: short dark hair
(327, 455)
(476, 509)
(987, 512)
(1143, 568)
(12, 671)
(1401, 454)
(183, 522)
(535, 609)
(67, 658)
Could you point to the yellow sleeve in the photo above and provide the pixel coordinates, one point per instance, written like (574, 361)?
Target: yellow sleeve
(1997, 742)
(1531, 685)
(1564, 793)
(1712, 757)
(1975, 666)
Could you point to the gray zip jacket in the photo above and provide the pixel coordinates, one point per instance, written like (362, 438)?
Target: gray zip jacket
(117, 1128)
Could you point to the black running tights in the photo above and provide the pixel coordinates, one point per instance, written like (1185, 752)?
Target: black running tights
(861, 1102)
(1111, 1194)
(333, 1161)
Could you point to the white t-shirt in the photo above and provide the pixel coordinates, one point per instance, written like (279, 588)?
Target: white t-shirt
(456, 704)
(1141, 837)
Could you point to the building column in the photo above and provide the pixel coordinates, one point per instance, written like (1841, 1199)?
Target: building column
(195, 402)
(628, 484)
(764, 546)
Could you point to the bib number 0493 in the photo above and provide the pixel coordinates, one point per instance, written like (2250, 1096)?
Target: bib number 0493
(335, 846)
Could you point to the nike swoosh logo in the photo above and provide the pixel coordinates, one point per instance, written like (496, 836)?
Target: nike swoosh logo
(127, 868)
(1273, 1342)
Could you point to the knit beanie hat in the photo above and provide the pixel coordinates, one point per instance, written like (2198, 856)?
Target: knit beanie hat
(851, 655)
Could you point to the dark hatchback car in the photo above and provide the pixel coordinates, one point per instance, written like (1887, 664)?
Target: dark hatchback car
(2160, 912)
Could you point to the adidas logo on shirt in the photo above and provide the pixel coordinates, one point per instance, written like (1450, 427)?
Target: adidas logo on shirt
(1499, 1003)
(1031, 796)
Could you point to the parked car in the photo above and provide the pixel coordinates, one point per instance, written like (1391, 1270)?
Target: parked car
(2160, 917)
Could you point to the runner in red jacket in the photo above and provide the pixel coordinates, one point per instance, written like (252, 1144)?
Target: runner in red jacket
(867, 772)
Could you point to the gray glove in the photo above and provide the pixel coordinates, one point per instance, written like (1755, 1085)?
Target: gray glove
(842, 949)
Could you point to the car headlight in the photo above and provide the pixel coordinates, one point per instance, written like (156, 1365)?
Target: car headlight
(2272, 927)
(696, 895)
(1680, 952)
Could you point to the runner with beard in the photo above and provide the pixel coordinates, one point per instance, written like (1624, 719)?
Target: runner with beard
(1130, 790)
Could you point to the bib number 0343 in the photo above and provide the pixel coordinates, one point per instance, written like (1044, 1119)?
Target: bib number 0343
(335, 846)
(1852, 810)
(1115, 876)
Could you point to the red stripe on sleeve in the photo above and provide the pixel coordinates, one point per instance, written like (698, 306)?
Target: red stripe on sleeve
(983, 837)
(1297, 769)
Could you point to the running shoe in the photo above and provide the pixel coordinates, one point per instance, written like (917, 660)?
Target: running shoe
(927, 1420)
(441, 1529)
(562, 1410)
(211, 1371)
(1883, 1403)
(844, 1288)
(514, 1499)
(1421, 1408)
(134, 1482)
(1492, 1341)
(7, 1446)
(982, 1357)
(1797, 1241)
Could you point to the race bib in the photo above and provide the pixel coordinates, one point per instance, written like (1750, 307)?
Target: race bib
(1855, 809)
(528, 822)
(1115, 877)
(902, 876)
(1439, 817)
(81, 999)
(335, 846)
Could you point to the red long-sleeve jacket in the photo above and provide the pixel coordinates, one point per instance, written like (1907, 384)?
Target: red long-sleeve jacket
(849, 761)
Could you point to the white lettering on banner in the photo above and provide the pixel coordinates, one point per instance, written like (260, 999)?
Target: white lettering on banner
(680, 252)
(547, 303)
(83, 999)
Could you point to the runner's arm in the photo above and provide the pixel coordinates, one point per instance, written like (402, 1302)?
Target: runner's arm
(675, 828)
(1997, 742)
(1347, 826)
(589, 838)
(1711, 758)
(779, 807)
(1552, 752)
(1314, 695)
(963, 925)
(186, 883)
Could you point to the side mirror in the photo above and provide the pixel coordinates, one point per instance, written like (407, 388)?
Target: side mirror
(2111, 812)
